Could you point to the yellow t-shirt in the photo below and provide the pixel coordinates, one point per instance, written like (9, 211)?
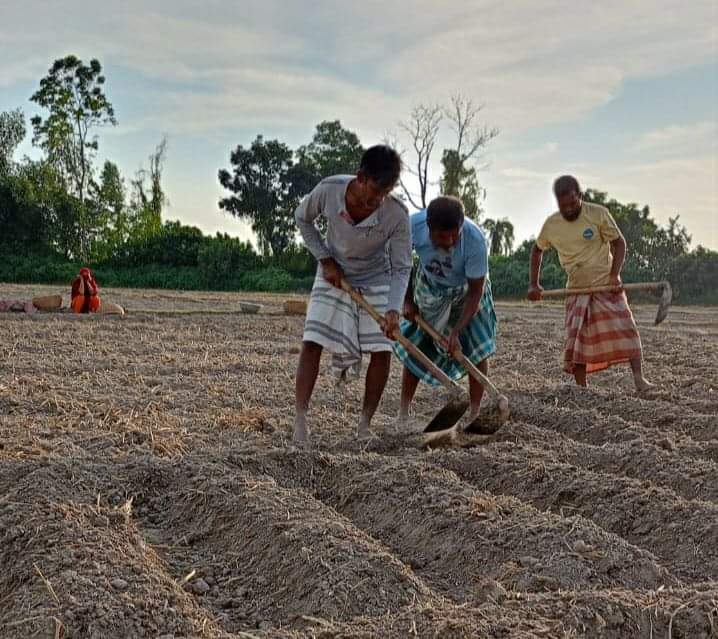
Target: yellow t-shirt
(583, 246)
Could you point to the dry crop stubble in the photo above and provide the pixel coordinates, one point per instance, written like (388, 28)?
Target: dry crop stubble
(145, 481)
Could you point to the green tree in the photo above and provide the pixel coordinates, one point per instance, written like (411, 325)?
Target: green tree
(111, 192)
(223, 260)
(651, 248)
(23, 220)
(109, 200)
(259, 183)
(148, 197)
(459, 176)
(501, 234)
(461, 180)
(693, 276)
(36, 210)
(73, 94)
(333, 150)
(174, 244)
(12, 132)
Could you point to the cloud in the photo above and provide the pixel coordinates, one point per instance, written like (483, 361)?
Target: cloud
(520, 177)
(263, 100)
(697, 165)
(533, 63)
(683, 185)
(679, 138)
(523, 177)
(221, 72)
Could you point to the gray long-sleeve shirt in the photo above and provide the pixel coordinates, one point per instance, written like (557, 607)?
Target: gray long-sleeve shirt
(375, 252)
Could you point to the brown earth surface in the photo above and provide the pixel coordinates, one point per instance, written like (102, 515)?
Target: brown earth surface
(148, 489)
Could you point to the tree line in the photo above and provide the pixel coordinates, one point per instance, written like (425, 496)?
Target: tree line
(64, 210)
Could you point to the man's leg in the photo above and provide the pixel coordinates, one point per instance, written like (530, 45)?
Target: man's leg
(307, 372)
(642, 384)
(579, 373)
(376, 377)
(476, 390)
(409, 384)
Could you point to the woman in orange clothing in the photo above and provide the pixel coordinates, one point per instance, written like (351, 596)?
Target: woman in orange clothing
(84, 293)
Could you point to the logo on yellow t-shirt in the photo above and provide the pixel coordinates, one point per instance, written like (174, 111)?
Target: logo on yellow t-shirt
(588, 234)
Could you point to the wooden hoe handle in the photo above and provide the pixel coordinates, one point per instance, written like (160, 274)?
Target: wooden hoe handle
(407, 344)
(641, 286)
(458, 355)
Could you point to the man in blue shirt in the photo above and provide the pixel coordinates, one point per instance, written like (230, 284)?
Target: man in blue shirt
(452, 292)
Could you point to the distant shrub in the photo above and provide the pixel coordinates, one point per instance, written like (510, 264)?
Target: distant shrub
(272, 280)
(174, 245)
(223, 260)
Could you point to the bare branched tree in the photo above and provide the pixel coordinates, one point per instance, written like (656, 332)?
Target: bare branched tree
(421, 132)
(460, 174)
(148, 202)
(470, 137)
(422, 129)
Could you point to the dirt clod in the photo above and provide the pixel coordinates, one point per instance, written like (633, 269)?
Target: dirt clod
(119, 584)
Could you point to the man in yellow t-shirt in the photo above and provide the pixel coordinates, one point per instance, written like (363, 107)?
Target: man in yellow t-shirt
(600, 329)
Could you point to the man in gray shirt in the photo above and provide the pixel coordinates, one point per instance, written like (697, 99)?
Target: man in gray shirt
(368, 242)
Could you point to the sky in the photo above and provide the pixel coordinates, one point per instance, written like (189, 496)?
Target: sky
(622, 94)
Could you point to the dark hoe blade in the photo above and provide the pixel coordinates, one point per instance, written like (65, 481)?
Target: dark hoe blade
(448, 416)
(489, 421)
(484, 425)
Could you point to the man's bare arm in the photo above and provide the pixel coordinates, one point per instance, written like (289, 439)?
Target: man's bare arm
(471, 307)
(535, 288)
(618, 248)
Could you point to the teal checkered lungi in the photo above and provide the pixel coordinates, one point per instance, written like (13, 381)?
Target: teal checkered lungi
(441, 307)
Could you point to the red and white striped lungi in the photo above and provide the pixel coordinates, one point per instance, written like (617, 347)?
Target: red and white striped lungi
(600, 331)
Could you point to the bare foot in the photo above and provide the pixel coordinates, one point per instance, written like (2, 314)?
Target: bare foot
(643, 385)
(363, 432)
(300, 436)
(402, 422)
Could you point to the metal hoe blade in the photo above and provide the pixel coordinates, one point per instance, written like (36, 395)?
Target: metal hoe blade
(490, 420)
(448, 416)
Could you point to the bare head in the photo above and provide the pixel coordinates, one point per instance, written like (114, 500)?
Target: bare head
(568, 196)
(377, 176)
(445, 218)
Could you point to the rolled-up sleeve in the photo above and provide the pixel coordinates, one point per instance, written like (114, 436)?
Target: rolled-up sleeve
(400, 259)
(476, 262)
(608, 228)
(309, 209)
(543, 241)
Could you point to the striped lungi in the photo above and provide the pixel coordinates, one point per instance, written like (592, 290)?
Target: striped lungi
(600, 331)
(338, 324)
(441, 307)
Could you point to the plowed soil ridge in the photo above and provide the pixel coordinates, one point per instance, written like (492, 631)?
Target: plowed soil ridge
(643, 514)
(147, 488)
(592, 426)
(660, 464)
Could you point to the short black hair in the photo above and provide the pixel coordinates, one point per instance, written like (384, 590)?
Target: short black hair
(445, 213)
(565, 185)
(382, 164)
